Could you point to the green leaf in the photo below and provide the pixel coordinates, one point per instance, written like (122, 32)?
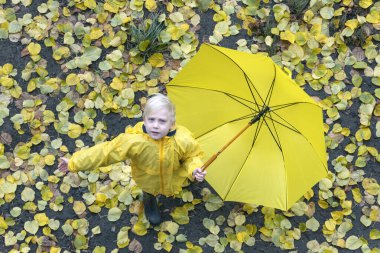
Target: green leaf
(353, 242)
(67, 229)
(144, 45)
(327, 12)
(31, 227)
(16, 211)
(180, 215)
(123, 237)
(312, 224)
(374, 234)
(14, 27)
(4, 163)
(114, 214)
(213, 203)
(204, 4)
(80, 242)
(92, 53)
(27, 194)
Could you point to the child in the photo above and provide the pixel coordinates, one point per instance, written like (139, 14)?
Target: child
(162, 155)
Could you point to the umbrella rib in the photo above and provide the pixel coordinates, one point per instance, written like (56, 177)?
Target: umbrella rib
(258, 128)
(253, 142)
(234, 97)
(269, 95)
(282, 106)
(249, 116)
(249, 81)
(250, 86)
(274, 135)
(290, 127)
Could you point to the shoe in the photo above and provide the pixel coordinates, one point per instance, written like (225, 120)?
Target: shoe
(151, 210)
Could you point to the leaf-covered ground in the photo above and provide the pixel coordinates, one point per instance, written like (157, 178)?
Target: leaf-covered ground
(75, 73)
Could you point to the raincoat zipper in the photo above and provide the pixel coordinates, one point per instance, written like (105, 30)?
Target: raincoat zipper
(161, 165)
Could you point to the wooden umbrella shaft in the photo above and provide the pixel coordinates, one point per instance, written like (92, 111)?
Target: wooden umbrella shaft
(254, 120)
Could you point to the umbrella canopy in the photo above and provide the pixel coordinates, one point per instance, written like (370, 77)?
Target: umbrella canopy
(281, 155)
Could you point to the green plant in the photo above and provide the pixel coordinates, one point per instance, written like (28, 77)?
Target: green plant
(297, 6)
(144, 36)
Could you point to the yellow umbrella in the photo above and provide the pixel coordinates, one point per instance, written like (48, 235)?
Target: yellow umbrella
(275, 149)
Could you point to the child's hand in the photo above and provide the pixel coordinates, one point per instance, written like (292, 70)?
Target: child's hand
(199, 175)
(63, 164)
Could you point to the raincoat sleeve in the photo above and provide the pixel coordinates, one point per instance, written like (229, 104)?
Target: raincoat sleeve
(192, 156)
(102, 154)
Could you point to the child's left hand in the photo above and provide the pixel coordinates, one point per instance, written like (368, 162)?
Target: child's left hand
(199, 175)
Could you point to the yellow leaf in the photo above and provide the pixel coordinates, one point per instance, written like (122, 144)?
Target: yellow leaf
(353, 242)
(288, 35)
(374, 234)
(22, 152)
(117, 84)
(49, 160)
(7, 82)
(308, 16)
(242, 236)
(74, 131)
(72, 79)
(34, 48)
(352, 23)
(91, 4)
(96, 33)
(95, 209)
(330, 224)
(371, 186)
(31, 86)
(55, 250)
(180, 215)
(363, 134)
(373, 17)
(162, 237)
(365, 3)
(123, 238)
(374, 215)
(3, 224)
(150, 5)
(157, 60)
(101, 197)
(357, 195)
(42, 219)
(265, 231)
(347, 2)
(79, 207)
(6, 69)
(167, 246)
(53, 179)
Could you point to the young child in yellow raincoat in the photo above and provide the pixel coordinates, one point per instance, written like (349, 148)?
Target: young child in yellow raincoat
(162, 155)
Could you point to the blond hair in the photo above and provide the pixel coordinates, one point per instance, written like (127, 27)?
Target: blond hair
(158, 101)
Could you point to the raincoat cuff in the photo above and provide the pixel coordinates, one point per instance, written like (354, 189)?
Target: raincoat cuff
(71, 166)
(190, 175)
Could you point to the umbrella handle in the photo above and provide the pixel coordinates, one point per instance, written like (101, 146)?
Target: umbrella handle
(254, 120)
(209, 161)
(214, 156)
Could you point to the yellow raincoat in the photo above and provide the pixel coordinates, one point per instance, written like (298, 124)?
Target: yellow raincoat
(158, 166)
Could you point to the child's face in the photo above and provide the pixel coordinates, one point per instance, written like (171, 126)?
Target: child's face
(158, 123)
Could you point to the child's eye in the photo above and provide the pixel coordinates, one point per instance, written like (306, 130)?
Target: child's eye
(162, 121)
